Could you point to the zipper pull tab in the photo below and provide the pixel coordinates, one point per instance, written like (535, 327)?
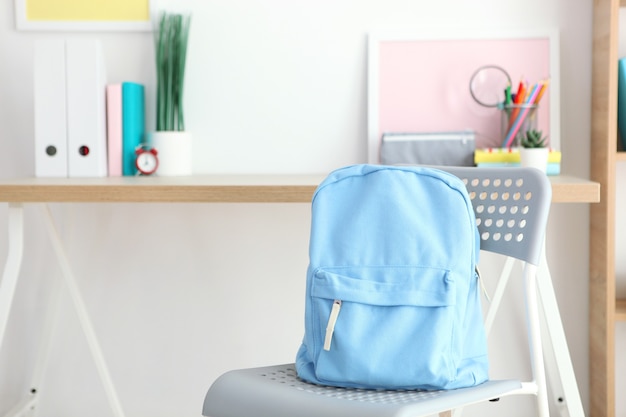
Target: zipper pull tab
(330, 327)
(482, 285)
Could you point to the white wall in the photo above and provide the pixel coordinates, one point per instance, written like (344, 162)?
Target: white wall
(180, 293)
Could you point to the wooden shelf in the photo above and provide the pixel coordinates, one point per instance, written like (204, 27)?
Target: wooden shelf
(214, 189)
(620, 310)
(621, 155)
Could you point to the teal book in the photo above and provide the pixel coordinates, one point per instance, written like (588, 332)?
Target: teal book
(621, 101)
(133, 124)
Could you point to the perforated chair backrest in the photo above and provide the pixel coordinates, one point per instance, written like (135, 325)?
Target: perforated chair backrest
(510, 204)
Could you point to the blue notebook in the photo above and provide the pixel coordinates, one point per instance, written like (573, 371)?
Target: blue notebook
(133, 124)
(621, 101)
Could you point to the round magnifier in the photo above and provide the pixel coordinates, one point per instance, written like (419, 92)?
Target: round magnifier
(488, 85)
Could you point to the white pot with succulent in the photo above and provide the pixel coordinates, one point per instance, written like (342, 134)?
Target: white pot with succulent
(172, 142)
(534, 150)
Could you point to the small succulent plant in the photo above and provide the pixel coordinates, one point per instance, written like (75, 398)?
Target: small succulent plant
(534, 139)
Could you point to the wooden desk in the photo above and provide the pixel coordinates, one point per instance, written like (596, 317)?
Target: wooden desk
(214, 189)
(195, 189)
(567, 189)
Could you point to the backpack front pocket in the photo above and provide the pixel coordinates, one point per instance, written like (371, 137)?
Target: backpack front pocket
(376, 332)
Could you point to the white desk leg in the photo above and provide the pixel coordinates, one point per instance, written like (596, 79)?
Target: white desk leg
(49, 328)
(7, 289)
(24, 408)
(560, 366)
(13, 263)
(83, 316)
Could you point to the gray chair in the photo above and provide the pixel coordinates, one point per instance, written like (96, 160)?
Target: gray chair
(511, 207)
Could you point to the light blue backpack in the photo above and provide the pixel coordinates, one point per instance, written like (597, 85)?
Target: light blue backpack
(392, 296)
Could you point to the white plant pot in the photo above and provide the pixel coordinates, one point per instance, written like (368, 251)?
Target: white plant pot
(174, 150)
(535, 158)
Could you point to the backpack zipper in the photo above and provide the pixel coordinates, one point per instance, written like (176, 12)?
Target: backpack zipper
(482, 284)
(332, 320)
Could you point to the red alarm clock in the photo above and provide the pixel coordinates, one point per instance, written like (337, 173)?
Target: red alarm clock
(146, 161)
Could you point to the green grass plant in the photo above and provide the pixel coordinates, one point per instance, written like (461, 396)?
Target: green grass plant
(171, 36)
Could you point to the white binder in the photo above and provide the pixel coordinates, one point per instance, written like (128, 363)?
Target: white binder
(86, 109)
(50, 111)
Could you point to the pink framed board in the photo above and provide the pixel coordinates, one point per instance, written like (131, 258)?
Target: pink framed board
(422, 83)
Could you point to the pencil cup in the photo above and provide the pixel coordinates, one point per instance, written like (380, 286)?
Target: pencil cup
(517, 119)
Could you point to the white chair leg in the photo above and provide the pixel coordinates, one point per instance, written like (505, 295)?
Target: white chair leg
(534, 329)
(561, 371)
